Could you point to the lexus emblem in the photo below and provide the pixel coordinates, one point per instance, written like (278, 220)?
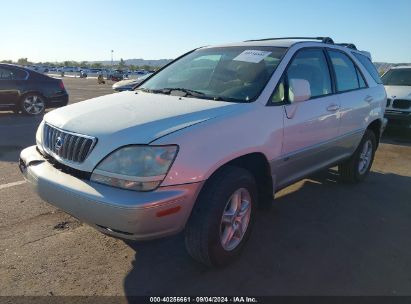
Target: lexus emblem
(59, 143)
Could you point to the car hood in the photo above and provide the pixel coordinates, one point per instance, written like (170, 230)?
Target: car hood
(135, 117)
(398, 92)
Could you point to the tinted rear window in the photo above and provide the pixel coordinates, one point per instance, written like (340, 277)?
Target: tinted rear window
(369, 66)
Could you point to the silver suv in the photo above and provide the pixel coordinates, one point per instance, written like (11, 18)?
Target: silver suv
(211, 136)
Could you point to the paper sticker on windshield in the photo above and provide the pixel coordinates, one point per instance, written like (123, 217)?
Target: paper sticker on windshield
(253, 56)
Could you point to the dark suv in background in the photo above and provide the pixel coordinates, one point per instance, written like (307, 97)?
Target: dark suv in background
(29, 92)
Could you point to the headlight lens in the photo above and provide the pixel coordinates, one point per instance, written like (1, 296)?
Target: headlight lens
(139, 168)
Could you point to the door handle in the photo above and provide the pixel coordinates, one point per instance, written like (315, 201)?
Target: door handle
(368, 98)
(333, 108)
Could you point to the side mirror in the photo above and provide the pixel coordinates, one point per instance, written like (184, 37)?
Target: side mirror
(299, 90)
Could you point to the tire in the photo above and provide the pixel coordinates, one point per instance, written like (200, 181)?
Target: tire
(357, 167)
(32, 104)
(207, 237)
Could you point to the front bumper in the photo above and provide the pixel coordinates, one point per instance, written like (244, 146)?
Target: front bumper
(120, 213)
(398, 117)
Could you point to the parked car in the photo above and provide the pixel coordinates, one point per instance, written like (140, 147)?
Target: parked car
(115, 75)
(140, 72)
(129, 84)
(208, 138)
(29, 92)
(96, 71)
(397, 82)
(68, 69)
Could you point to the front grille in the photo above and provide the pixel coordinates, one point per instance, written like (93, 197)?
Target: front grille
(401, 104)
(388, 102)
(67, 146)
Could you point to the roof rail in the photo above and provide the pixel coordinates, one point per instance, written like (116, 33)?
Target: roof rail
(327, 40)
(347, 45)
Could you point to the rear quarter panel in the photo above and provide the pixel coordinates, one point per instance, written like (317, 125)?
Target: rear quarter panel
(356, 113)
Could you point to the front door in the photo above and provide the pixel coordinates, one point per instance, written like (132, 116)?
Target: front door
(311, 126)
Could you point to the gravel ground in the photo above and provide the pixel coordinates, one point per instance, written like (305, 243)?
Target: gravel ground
(321, 238)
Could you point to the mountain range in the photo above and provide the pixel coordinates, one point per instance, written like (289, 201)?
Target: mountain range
(385, 66)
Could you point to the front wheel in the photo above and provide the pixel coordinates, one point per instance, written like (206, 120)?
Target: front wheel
(32, 105)
(222, 218)
(357, 167)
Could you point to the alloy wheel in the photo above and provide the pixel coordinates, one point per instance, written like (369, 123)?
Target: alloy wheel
(33, 104)
(365, 157)
(235, 219)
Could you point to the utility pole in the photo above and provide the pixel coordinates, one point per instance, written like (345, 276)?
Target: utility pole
(112, 51)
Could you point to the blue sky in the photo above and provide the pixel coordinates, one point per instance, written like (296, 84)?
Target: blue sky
(50, 30)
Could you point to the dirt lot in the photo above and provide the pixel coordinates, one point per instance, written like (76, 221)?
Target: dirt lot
(321, 238)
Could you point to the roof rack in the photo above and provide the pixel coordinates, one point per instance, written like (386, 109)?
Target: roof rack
(347, 45)
(327, 40)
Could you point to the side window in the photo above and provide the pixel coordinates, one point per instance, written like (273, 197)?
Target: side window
(311, 65)
(12, 74)
(345, 72)
(361, 80)
(19, 74)
(369, 66)
(5, 74)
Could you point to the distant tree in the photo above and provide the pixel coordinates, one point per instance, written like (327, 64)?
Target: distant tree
(121, 64)
(23, 61)
(84, 64)
(147, 67)
(47, 63)
(96, 65)
(6, 61)
(71, 63)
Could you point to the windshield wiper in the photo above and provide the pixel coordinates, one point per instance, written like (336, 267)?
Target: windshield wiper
(150, 90)
(229, 99)
(192, 93)
(187, 91)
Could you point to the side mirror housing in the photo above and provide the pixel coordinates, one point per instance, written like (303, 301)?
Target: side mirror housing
(299, 90)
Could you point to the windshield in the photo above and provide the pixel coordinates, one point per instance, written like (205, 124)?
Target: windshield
(235, 74)
(397, 77)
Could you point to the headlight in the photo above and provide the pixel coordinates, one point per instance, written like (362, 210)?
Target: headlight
(139, 168)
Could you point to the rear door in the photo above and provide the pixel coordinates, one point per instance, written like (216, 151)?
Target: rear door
(355, 98)
(310, 127)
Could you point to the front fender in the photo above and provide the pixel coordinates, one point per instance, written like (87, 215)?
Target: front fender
(205, 147)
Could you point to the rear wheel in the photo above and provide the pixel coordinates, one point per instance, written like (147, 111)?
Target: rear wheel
(32, 104)
(357, 167)
(222, 218)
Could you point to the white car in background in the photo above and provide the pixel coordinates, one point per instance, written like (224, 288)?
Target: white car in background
(129, 84)
(397, 82)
